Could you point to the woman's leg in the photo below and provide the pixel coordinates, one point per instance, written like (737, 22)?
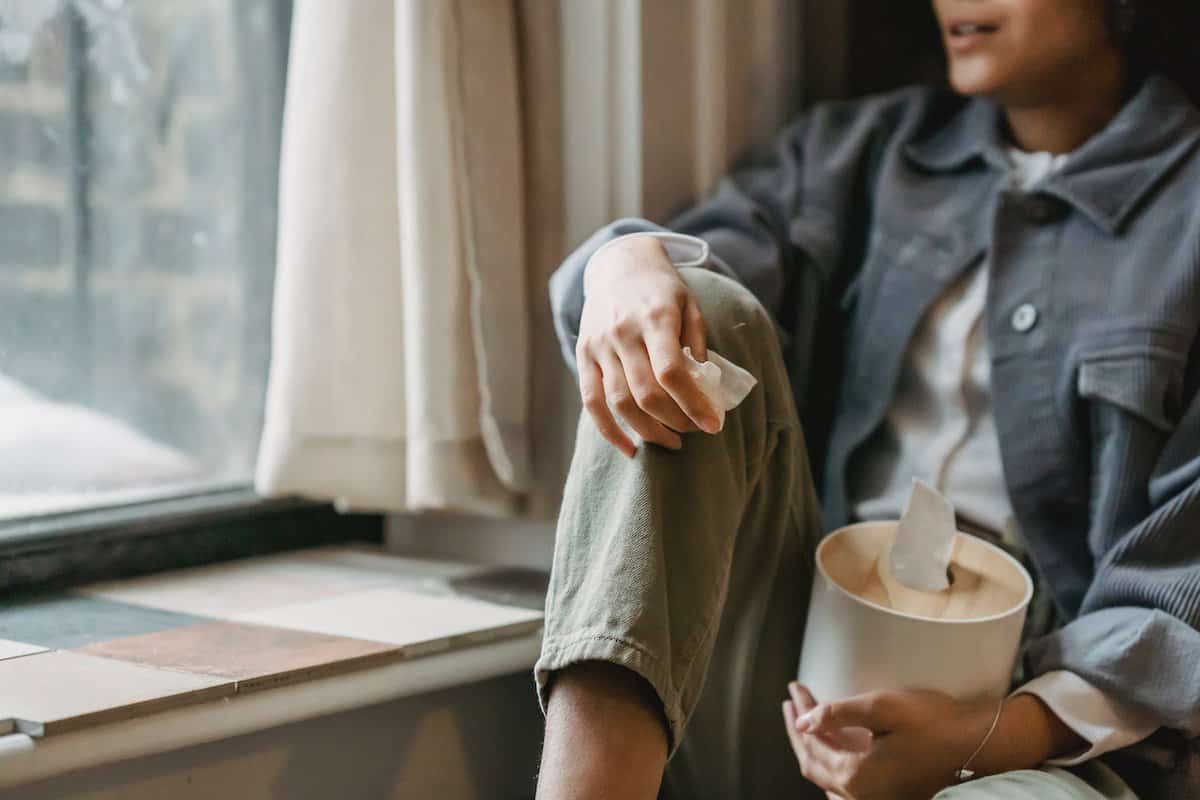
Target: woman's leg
(692, 570)
(1092, 781)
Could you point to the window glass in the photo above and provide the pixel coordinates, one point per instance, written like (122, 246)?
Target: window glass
(139, 144)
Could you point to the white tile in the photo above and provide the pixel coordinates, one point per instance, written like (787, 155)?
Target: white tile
(219, 590)
(370, 566)
(10, 649)
(402, 617)
(225, 590)
(52, 692)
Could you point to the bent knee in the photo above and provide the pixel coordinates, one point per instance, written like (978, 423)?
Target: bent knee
(728, 308)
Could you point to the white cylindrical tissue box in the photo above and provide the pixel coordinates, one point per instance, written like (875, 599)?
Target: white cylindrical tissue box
(867, 632)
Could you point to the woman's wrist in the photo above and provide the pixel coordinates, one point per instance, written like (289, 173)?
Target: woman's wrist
(622, 249)
(1027, 735)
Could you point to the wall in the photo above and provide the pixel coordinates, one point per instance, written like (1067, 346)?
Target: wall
(478, 742)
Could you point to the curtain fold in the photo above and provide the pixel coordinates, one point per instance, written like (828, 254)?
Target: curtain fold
(400, 368)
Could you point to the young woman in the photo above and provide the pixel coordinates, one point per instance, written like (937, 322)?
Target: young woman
(997, 291)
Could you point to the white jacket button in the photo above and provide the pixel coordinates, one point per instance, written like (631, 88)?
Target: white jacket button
(1024, 318)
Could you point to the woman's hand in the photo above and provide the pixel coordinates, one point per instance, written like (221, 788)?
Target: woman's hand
(637, 317)
(909, 744)
(894, 745)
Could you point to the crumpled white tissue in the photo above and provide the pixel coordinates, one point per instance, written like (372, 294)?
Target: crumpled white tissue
(924, 540)
(723, 383)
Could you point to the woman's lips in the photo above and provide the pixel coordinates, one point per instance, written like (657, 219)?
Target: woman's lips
(963, 36)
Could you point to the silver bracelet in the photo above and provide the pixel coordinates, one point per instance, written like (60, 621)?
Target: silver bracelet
(963, 774)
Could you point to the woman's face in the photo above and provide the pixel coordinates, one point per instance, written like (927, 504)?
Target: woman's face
(1023, 51)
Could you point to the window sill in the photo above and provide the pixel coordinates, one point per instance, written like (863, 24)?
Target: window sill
(24, 759)
(130, 668)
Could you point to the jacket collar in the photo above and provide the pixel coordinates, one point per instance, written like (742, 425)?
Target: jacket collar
(1108, 176)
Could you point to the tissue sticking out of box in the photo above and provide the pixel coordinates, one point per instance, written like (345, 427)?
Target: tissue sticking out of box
(924, 540)
(724, 384)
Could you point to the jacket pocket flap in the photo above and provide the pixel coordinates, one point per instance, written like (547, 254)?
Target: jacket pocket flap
(1143, 384)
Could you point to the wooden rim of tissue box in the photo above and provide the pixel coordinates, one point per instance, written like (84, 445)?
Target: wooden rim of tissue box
(986, 582)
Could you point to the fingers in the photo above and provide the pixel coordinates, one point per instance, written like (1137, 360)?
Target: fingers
(621, 398)
(694, 334)
(802, 697)
(789, 717)
(650, 384)
(878, 712)
(845, 739)
(671, 372)
(591, 390)
(648, 395)
(821, 763)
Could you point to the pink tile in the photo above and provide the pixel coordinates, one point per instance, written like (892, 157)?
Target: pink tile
(256, 656)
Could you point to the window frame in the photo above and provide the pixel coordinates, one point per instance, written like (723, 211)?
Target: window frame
(55, 551)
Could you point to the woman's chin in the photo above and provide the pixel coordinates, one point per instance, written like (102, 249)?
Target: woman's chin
(975, 79)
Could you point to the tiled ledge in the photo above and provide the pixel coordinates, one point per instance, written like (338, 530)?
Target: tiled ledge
(128, 668)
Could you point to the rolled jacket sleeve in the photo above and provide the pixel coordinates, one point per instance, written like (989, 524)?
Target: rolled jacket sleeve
(1099, 719)
(1137, 636)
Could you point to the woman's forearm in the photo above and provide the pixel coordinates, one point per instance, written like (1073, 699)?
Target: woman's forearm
(1028, 735)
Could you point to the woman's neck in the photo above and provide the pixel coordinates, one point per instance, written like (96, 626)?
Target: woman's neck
(1062, 121)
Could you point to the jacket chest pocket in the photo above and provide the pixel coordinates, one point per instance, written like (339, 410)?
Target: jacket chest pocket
(1143, 381)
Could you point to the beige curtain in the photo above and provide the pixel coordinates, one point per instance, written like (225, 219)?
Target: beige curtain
(401, 365)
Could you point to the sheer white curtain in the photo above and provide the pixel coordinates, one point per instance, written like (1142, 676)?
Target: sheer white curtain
(400, 369)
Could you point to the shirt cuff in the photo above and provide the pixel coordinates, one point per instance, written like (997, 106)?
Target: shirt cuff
(683, 250)
(1100, 720)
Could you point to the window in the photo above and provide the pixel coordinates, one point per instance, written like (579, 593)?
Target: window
(139, 144)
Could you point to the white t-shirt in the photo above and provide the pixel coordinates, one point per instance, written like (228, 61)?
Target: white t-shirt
(939, 427)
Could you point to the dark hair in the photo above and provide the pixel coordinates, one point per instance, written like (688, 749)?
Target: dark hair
(1160, 36)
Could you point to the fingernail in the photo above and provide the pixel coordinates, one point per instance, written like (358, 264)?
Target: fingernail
(804, 722)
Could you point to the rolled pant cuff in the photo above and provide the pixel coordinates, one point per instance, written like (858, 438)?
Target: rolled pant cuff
(559, 652)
